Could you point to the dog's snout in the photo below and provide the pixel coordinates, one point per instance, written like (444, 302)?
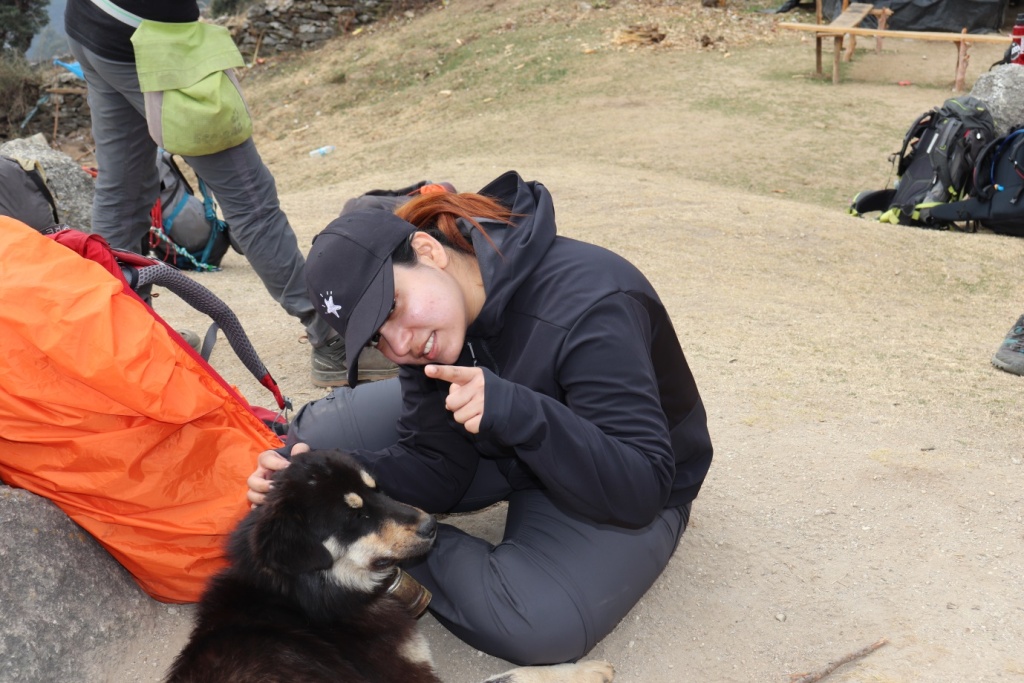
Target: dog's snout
(427, 528)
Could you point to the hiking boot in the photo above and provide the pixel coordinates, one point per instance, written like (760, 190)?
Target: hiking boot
(1010, 356)
(330, 368)
(192, 339)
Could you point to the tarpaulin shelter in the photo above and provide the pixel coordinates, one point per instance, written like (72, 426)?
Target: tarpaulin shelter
(977, 16)
(107, 412)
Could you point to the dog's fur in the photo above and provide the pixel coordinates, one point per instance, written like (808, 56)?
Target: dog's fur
(304, 597)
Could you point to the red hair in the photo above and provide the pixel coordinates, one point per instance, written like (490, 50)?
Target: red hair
(439, 212)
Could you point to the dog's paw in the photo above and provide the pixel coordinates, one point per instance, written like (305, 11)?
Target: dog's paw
(594, 671)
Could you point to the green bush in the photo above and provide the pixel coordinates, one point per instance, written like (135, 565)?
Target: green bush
(20, 86)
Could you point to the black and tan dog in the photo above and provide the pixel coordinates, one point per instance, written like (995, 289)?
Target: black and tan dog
(306, 594)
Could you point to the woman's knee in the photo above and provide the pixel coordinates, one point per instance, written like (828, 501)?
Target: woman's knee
(363, 418)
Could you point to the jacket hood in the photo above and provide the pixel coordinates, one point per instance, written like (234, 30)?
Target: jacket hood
(520, 246)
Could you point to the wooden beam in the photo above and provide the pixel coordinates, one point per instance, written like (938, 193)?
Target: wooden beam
(827, 30)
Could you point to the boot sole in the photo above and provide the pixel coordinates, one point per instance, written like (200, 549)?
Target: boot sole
(1008, 367)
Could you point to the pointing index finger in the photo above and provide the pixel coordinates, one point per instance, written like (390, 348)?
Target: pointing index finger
(447, 373)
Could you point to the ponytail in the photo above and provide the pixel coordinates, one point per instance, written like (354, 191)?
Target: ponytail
(438, 214)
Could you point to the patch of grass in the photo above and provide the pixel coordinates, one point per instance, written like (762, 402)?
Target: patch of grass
(20, 85)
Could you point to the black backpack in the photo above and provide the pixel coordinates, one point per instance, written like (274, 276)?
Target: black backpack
(24, 193)
(935, 165)
(998, 199)
(186, 231)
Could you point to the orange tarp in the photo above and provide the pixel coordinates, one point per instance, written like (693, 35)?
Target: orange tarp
(104, 411)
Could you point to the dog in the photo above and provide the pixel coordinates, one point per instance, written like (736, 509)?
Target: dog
(308, 594)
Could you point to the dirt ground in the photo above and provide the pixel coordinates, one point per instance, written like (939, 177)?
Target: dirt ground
(868, 464)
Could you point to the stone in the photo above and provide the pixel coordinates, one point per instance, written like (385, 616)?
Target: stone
(63, 597)
(1002, 89)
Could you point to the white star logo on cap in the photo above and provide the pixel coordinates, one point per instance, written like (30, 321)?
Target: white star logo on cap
(332, 308)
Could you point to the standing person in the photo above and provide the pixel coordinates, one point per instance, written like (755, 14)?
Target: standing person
(99, 34)
(534, 369)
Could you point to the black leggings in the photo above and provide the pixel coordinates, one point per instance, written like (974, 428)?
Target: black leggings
(551, 589)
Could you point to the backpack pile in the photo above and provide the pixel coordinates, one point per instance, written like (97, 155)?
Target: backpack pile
(935, 165)
(998, 198)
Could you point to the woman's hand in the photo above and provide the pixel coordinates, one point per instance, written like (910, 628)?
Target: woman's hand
(267, 463)
(465, 395)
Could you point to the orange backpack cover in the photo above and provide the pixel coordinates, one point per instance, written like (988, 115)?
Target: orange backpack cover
(106, 411)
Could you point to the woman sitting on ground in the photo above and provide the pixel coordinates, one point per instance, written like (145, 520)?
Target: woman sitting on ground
(535, 369)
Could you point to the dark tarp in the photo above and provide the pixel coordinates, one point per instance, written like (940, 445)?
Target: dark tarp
(977, 16)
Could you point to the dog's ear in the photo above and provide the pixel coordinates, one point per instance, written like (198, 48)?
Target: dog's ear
(283, 542)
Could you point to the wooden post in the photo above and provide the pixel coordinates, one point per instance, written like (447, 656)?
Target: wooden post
(817, 38)
(883, 19)
(962, 58)
(837, 52)
(57, 99)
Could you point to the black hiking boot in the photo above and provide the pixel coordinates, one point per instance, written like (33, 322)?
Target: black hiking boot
(330, 368)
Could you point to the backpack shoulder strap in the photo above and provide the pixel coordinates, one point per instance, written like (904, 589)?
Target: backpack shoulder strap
(869, 202)
(914, 133)
(172, 165)
(942, 147)
(985, 168)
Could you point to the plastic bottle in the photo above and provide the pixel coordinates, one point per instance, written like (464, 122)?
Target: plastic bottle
(322, 151)
(1016, 50)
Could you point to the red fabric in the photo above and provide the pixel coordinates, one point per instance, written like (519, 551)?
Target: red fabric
(92, 247)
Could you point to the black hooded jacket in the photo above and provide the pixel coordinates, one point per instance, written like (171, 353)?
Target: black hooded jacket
(587, 392)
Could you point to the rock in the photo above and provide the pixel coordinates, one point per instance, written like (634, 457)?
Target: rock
(1002, 89)
(286, 25)
(72, 187)
(63, 597)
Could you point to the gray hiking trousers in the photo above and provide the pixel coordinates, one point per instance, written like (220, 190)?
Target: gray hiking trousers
(128, 184)
(550, 590)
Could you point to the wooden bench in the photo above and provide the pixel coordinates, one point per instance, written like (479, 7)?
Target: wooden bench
(847, 23)
(851, 17)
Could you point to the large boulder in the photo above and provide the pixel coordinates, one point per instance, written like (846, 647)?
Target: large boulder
(63, 597)
(1002, 89)
(72, 187)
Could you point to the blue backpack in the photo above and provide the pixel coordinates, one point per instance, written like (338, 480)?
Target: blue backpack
(998, 199)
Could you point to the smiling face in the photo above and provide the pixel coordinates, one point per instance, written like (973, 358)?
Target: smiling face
(436, 300)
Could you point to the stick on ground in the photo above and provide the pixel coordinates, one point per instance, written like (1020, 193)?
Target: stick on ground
(832, 666)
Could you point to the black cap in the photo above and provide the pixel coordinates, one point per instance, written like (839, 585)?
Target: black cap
(350, 277)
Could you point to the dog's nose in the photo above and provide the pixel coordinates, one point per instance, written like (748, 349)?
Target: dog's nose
(427, 528)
